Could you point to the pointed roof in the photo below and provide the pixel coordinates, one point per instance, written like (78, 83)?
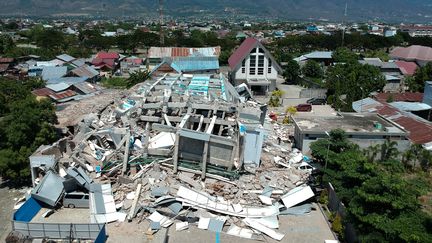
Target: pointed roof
(243, 51)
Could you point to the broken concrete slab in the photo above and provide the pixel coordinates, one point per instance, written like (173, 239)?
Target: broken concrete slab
(297, 195)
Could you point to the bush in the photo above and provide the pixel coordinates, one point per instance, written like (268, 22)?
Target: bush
(337, 225)
(324, 198)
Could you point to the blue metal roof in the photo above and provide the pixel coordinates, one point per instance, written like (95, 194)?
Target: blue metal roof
(53, 72)
(190, 64)
(410, 106)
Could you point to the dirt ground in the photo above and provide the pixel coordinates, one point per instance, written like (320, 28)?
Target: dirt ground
(8, 197)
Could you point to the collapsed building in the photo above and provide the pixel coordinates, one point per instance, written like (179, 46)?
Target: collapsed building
(177, 141)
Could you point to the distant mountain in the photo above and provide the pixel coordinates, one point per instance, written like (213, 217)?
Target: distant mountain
(389, 10)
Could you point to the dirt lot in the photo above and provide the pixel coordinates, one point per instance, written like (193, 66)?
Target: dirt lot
(7, 201)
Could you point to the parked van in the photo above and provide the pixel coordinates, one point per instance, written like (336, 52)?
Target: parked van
(76, 200)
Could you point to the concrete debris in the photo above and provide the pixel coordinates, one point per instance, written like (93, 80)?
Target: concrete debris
(173, 151)
(253, 223)
(182, 226)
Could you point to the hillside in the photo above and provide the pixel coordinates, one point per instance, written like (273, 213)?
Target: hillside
(390, 10)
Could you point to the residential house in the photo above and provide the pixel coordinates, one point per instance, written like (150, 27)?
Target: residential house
(85, 71)
(412, 111)
(419, 54)
(157, 54)
(253, 65)
(363, 129)
(408, 69)
(131, 65)
(106, 61)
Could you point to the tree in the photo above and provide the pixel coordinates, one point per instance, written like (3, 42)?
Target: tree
(50, 39)
(137, 77)
(421, 75)
(312, 69)
(353, 81)
(292, 71)
(344, 55)
(6, 44)
(25, 125)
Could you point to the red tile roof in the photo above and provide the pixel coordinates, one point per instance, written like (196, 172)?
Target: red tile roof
(108, 55)
(407, 97)
(412, 53)
(407, 68)
(99, 62)
(242, 52)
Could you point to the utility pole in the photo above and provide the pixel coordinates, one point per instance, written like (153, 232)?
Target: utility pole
(343, 23)
(161, 22)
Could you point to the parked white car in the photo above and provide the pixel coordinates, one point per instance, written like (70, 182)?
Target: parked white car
(304, 166)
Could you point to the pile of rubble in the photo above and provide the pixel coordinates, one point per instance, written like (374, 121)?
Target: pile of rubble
(175, 151)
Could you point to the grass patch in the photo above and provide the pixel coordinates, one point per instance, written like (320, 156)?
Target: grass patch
(115, 83)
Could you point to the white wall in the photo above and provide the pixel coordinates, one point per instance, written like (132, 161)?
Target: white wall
(238, 75)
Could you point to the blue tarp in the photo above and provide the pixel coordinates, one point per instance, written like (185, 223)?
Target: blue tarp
(102, 236)
(27, 211)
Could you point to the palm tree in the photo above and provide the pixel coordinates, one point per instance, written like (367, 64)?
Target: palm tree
(389, 150)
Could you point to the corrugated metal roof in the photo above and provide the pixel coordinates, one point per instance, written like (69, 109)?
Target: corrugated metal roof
(163, 52)
(63, 95)
(67, 80)
(420, 130)
(43, 92)
(78, 62)
(410, 106)
(65, 58)
(189, 64)
(412, 53)
(320, 55)
(85, 71)
(58, 87)
(53, 72)
(366, 105)
(85, 87)
(407, 68)
(411, 97)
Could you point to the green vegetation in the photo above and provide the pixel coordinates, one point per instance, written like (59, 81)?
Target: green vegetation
(275, 98)
(312, 69)
(292, 71)
(423, 74)
(381, 194)
(25, 124)
(125, 83)
(114, 82)
(344, 55)
(350, 82)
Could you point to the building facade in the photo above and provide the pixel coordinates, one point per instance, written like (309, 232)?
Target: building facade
(253, 65)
